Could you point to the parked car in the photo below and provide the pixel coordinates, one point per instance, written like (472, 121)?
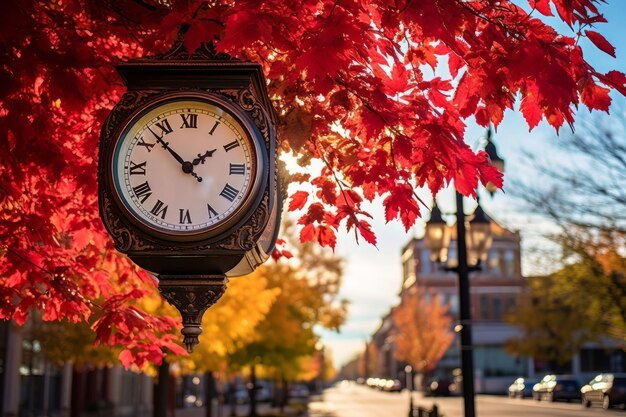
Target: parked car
(557, 387)
(608, 390)
(392, 385)
(522, 387)
(241, 395)
(299, 391)
(440, 386)
(263, 391)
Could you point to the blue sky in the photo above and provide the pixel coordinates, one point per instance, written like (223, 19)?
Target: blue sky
(372, 277)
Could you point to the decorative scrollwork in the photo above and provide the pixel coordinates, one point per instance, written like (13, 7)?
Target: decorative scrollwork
(124, 238)
(249, 103)
(246, 236)
(129, 101)
(192, 295)
(246, 99)
(178, 52)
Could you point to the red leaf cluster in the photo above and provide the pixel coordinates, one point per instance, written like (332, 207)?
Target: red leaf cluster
(143, 336)
(350, 81)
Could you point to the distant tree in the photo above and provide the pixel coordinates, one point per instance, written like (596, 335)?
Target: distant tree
(582, 190)
(557, 318)
(307, 288)
(423, 331)
(65, 342)
(232, 321)
(579, 181)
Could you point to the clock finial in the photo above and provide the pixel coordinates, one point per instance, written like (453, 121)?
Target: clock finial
(192, 295)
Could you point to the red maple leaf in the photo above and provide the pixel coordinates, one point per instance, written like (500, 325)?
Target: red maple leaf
(401, 203)
(600, 42)
(595, 97)
(542, 5)
(298, 200)
(530, 107)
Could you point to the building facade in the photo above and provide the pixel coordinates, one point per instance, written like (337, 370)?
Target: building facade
(31, 386)
(495, 291)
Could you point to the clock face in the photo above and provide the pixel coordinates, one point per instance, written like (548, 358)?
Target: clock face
(186, 166)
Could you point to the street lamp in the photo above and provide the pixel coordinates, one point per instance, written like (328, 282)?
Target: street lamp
(473, 240)
(408, 374)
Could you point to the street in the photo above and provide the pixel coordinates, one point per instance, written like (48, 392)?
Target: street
(348, 399)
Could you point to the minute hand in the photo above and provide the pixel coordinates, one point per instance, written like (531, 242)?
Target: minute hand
(167, 147)
(186, 165)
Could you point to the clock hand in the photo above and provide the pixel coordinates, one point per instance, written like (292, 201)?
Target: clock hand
(166, 146)
(201, 158)
(186, 165)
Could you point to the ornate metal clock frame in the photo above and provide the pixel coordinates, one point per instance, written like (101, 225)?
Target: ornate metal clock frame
(193, 275)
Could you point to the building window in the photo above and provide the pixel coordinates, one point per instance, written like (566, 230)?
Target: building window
(408, 268)
(494, 262)
(452, 258)
(509, 263)
(497, 308)
(426, 263)
(454, 304)
(495, 361)
(443, 299)
(512, 302)
(484, 307)
(595, 360)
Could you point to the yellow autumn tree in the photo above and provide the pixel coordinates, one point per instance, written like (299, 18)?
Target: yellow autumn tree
(308, 286)
(422, 330)
(226, 325)
(231, 322)
(319, 366)
(305, 299)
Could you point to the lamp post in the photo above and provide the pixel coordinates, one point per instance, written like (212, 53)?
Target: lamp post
(408, 377)
(437, 238)
(408, 380)
(473, 240)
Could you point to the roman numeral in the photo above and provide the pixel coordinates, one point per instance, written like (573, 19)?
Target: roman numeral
(164, 126)
(229, 193)
(142, 191)
(137, 169)
(159, 209)
(148, 145)
(185, 217)
(231, 145)
(237, 169)
(212, 212)
(189, 121)
(213, 128)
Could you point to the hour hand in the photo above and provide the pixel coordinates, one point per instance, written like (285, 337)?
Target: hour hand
(201, 158)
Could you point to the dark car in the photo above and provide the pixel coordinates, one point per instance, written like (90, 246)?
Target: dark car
(440, 387)
(607, 390)
(557, 387)
(299, 391)
(522, 387)
(392, 385)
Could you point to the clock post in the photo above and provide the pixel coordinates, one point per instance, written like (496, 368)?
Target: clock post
(188, 182)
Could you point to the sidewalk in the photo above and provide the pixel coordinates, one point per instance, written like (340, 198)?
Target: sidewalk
(242, 410)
